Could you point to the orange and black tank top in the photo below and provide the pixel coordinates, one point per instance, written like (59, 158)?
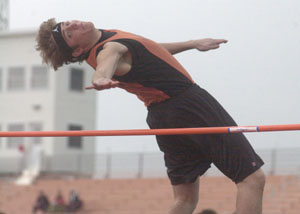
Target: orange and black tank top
(155, 74)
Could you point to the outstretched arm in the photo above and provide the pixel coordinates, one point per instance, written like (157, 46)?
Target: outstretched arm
(107, 62)
(199, 44)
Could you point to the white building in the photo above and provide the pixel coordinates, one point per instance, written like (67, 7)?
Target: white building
(34, 98)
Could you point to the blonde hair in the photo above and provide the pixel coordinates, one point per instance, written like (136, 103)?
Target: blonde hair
(48, 48)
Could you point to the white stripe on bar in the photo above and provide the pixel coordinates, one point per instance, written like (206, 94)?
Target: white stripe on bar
(243, 129)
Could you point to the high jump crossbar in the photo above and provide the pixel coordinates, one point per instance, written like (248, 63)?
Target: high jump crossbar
(173, 131)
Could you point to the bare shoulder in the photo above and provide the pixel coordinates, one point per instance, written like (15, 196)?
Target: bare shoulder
(115, 47)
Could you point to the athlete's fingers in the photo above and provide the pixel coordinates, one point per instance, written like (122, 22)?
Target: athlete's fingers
(223, 41)
(90, 87)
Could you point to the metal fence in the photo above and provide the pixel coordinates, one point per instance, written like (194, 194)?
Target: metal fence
(142, 165)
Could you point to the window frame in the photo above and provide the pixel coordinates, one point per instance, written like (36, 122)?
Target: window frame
(17, 141)
(11, 81)
(34, 77)
(73, 82)
(72, 141)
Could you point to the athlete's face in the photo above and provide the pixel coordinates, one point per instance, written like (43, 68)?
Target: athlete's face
(77, 33)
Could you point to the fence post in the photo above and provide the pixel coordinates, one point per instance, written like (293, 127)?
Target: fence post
(79, 160)
(273, 161)
(108, 165)
(140, 165)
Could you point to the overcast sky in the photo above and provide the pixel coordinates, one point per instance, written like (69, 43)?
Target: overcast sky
(255, 76)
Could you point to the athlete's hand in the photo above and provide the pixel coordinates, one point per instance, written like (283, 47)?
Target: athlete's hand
(103, 83)
(208, 44)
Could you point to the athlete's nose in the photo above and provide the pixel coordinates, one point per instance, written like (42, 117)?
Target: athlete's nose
(72, 25)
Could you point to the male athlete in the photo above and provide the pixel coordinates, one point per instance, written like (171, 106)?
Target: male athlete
(148, 69)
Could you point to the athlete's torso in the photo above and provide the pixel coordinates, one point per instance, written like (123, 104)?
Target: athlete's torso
(147, 69)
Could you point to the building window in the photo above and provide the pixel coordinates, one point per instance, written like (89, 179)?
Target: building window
(1, 78)
(36, 127)
(39, 77)
(76, 79)
(14, 142)
(16, 78)
(75, 142)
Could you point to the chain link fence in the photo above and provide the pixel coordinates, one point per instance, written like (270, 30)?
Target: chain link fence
(281, 161)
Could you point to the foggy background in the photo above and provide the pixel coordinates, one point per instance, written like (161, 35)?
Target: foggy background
(255, 76)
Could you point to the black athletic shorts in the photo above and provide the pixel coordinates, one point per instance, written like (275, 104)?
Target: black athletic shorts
(189, 156)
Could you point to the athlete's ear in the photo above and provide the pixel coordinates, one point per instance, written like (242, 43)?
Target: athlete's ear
(77, 52)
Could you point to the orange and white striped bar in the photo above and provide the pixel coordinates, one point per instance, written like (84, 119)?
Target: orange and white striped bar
(177, 131)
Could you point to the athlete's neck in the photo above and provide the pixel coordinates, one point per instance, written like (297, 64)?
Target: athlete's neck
(96, 37)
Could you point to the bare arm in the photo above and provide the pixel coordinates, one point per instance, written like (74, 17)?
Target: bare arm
(199, 44)
(107, 63)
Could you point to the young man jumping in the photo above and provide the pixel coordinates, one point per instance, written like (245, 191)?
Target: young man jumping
(148, 69)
